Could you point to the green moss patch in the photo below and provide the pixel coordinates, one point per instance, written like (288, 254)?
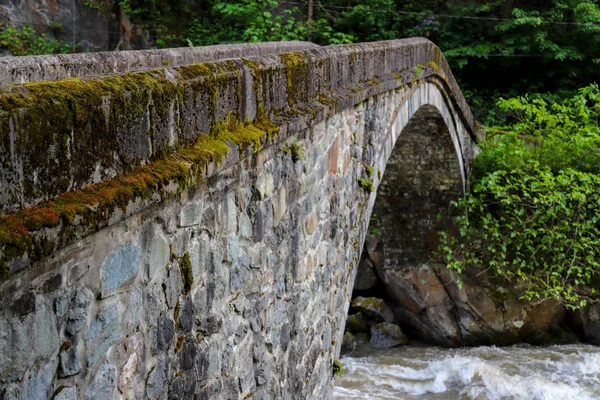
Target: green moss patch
(186, 274)
(297, 71)
(92, 206)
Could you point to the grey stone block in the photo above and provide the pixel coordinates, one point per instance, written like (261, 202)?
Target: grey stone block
(157, 250)
(186, 314)
(157, 384)
(66, 393)
(162, 334)
(69, 361)
(78, 311)
(103, 385)
(386, 335)
(119, 267)
(45, 339)
(40, 383)
(103, 332)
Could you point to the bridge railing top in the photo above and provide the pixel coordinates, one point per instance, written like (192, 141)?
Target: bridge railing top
(19, 70)
(81, 153)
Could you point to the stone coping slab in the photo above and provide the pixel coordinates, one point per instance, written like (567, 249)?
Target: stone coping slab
(18, 70)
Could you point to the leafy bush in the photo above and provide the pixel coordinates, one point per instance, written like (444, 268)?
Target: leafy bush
(532, 213)
(27, 41)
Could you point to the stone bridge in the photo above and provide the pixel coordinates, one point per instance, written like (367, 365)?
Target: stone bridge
(187, 223)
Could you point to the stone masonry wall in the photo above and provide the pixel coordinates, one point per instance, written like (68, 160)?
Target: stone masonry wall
(238, 288)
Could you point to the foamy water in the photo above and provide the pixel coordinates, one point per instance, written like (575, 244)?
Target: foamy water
(568, 372)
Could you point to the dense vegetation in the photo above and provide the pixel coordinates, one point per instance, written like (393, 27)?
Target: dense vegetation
(26, 41)
(532, 215)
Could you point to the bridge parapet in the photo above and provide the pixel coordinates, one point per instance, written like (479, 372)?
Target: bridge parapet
(27, 69)
(194, 231)
(80, 154)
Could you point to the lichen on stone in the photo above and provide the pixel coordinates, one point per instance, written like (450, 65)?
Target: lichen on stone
(186, 274)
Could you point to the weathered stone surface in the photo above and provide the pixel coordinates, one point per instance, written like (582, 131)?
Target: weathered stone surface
(191, 214)
(349, 341)
(589, 319)
(66, 393)
(134, 310)
(187, 354)
(103, 385)
(182, 387)
(51, 284)
(120, 267)
(174, 286)
(69, 361)
(103, 332)
(130, 357)
(366, 277)
(156, 387)
(17, 347)
(157, 250)
(162, 334)
(6, 346)
(89, 64)
(209, 325)
(24, 304)
(386, 335)
(432, 304)
(46, 339)
(78, 310)
(424, 304)
(186, 314)
(40, 383)
(373, 308)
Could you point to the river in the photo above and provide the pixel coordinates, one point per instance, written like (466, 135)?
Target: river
(520, 372)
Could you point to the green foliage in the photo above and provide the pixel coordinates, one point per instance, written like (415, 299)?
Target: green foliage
(518, 48)
(532, 214)
(553, 135)
(366, 184)
(337, 368)
(104, 6)
(27, 41)
(296, 151)
(375, 226)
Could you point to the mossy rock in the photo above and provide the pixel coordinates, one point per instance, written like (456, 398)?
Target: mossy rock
(386, 335)
(356, 323)
(373, 308)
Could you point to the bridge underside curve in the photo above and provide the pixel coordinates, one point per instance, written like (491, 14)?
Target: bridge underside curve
(422, 176)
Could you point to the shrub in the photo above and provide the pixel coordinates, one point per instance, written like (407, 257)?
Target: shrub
(532, 213)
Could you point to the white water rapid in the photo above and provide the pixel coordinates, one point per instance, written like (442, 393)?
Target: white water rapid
(568, 372)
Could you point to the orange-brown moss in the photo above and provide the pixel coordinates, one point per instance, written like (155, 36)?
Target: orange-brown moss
(96, 202)
(179, 344)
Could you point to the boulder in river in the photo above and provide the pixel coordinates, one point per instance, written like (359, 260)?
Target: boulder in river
(373, 308)
(356, 323)
(386, 335)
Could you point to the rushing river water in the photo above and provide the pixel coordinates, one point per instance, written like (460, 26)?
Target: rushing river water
(568, 372)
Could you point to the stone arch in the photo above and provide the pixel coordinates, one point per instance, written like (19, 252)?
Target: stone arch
(424, 162)
(422, 176)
